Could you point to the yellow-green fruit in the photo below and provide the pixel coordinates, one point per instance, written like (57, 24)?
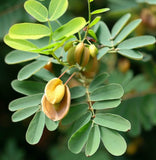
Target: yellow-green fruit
(85, 57)
(93, 50)
(54, 91)
(78, 52)
(68, 45)
(71, 56)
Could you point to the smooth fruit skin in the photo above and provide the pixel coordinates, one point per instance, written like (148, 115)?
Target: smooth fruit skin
(68, 45)
(93, 50)
(71, 56)
(85, 57)
(54, 91)
(78, 52)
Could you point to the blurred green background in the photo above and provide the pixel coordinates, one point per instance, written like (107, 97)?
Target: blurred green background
(53, 145)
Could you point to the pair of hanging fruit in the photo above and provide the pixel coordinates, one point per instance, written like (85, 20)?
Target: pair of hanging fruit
(80, 54)
(56, 100)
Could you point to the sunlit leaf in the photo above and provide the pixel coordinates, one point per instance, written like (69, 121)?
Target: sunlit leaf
(24, 113)
(29, 31)
(25, 87)
(19, 44)
(98, 11)
(25, 102)
(95, 21)
(35, 129)
(113, 141)
(92, 33)
(30, 69)
(65, 31)
(57, 9)
(37, 10)
(112, 121)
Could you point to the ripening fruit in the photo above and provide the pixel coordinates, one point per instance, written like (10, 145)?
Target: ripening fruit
(93, 50)
(54, 91)
(71, 56)
(68, 45)
(91, 68)
(48, 66)
(82, 54)
(78, 52)
(57, 111)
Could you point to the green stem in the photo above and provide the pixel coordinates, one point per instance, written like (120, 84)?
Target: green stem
(89, 20)
(50, 38)
(58, 22)
(90, 103)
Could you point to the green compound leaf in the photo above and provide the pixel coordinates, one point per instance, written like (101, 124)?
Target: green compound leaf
(30, 69)
(50, 124)
(102, 52)
(77, 92)
(130, 54)
(112, 121)
(24, 113)
(95, 21)
(37, 10)
(69, 28)
(57, 9)
(98, 11)
(35, 129)
(75, 112)
(29, 31)
(78, 139)
(119, 25)
(44, 74)
(28, 87)
(97, 81)
(113, 141)
(16, 56)
(126, 31)
(103, 34)
(83, 120)
(20, 44)
(25, 102)
(137, 42)
(107, 104)
(107, 92)
(93, 141)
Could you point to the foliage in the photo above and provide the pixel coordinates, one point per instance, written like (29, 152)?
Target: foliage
(39, 45)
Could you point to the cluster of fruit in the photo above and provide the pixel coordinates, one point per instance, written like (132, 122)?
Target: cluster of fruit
(83, 55)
